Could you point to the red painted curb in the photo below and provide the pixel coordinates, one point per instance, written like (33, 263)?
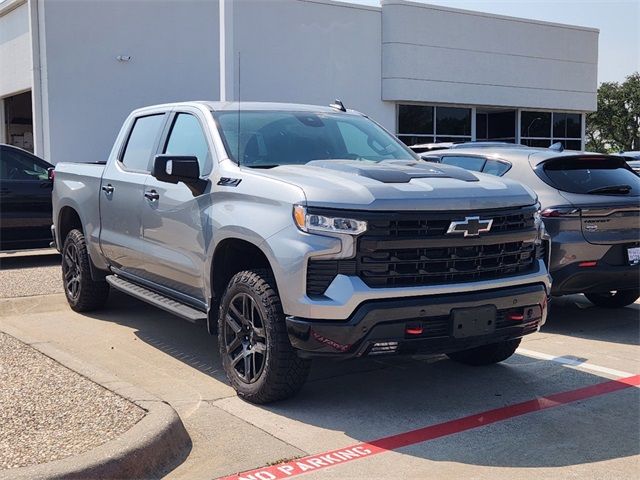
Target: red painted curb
(331, 458)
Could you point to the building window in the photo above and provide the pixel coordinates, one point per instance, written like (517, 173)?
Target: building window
(419, 124)
(541, 129)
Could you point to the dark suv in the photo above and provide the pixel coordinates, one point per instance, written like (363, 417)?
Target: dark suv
(25, 199)
(591, 209)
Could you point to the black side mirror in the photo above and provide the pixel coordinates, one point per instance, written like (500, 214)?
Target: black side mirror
(176, 168)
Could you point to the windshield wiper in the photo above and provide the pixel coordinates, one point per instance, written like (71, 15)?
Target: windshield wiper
(261, 166)
(612, 189)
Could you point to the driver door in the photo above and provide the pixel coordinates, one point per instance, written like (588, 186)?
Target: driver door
(176, 227)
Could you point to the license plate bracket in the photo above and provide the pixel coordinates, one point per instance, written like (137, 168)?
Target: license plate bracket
(633, 255)
(474, 321)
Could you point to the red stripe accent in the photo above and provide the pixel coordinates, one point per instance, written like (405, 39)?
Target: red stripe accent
(319, 461)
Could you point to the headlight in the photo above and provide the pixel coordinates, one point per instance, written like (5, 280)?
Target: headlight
(537, 216)
(310, 222)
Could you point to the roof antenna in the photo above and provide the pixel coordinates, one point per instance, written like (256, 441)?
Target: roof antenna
(238, 132)
(338, 105)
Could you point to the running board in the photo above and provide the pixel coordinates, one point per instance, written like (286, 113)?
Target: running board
(156, 299)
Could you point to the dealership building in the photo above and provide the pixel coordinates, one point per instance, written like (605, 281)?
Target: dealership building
(70, 71)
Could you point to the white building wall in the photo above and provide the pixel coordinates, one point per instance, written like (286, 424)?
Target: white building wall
(15, 48)
(174, 57)
(310, 51)
(442, 55)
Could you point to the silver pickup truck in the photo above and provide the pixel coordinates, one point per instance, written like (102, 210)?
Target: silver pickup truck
(299, 231)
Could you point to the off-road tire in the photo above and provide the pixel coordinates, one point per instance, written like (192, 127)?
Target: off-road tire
(89, 294)
(619, 299)
(283, 372)
(486, 354)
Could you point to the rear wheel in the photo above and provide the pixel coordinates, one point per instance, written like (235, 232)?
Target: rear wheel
(486, 354)
(257, 356)
(82, 292)
(614, 299)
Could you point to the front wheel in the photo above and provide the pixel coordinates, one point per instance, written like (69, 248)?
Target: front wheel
(257, 356)
(614, 299)
(486, 354)
(83, 293)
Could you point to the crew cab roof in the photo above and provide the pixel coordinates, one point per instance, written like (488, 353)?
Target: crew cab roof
(249, 106)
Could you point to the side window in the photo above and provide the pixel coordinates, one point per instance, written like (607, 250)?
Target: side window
(187, 138)
(493, 167)
(18, 166)
(142, 139)
(474, 164)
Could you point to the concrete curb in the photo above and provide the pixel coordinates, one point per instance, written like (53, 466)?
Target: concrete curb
(150, 448)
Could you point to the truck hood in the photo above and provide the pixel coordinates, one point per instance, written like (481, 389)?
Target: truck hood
(400, 185)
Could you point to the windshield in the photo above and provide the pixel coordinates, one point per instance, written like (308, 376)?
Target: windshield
(264, 139)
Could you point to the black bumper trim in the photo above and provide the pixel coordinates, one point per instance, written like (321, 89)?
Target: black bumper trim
(386, 320)
(601, 278)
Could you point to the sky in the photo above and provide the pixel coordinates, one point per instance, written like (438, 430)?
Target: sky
(618, 21)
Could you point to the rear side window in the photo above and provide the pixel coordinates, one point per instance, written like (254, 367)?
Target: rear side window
(474, 164)
(600, 175)
(494, 167)
(142, 141)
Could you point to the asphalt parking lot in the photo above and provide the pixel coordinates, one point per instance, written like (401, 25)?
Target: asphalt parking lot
(566, 406)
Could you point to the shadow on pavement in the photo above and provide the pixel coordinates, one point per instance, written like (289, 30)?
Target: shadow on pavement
(9, 263)
(575, 316)
(372, 398)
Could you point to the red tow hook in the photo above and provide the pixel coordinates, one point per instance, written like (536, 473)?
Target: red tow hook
(413, 329)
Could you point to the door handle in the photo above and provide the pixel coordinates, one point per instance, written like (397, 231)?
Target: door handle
(152, 195)
(108, 189)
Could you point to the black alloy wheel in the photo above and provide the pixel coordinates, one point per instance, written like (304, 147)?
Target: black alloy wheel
(71, 271)
(257, 356)
(245, 338)
(82, 291)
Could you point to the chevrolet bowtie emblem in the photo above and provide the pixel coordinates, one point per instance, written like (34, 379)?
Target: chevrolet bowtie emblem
(470, 226)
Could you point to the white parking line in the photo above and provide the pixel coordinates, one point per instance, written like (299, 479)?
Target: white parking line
(574, 362)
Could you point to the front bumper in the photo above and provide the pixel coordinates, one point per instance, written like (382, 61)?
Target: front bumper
(54, 243)
(385, 322)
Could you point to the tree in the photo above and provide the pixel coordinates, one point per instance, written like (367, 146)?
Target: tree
(615, 125)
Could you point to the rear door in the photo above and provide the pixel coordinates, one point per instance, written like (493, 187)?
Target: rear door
(25, 200)
(176, 227)
(122, 194)
(605, 190)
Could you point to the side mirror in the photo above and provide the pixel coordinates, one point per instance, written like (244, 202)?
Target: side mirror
(176, 168)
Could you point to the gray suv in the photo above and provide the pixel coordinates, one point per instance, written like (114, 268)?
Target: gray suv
(298, 232)
(591, 209)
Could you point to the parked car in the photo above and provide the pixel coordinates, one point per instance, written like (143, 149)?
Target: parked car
(633, 159)
(299, 232)
(25, 199)
(430, 147)
(591, 209)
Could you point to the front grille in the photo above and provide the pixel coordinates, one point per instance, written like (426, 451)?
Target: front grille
(436, 225)
(413, 249)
